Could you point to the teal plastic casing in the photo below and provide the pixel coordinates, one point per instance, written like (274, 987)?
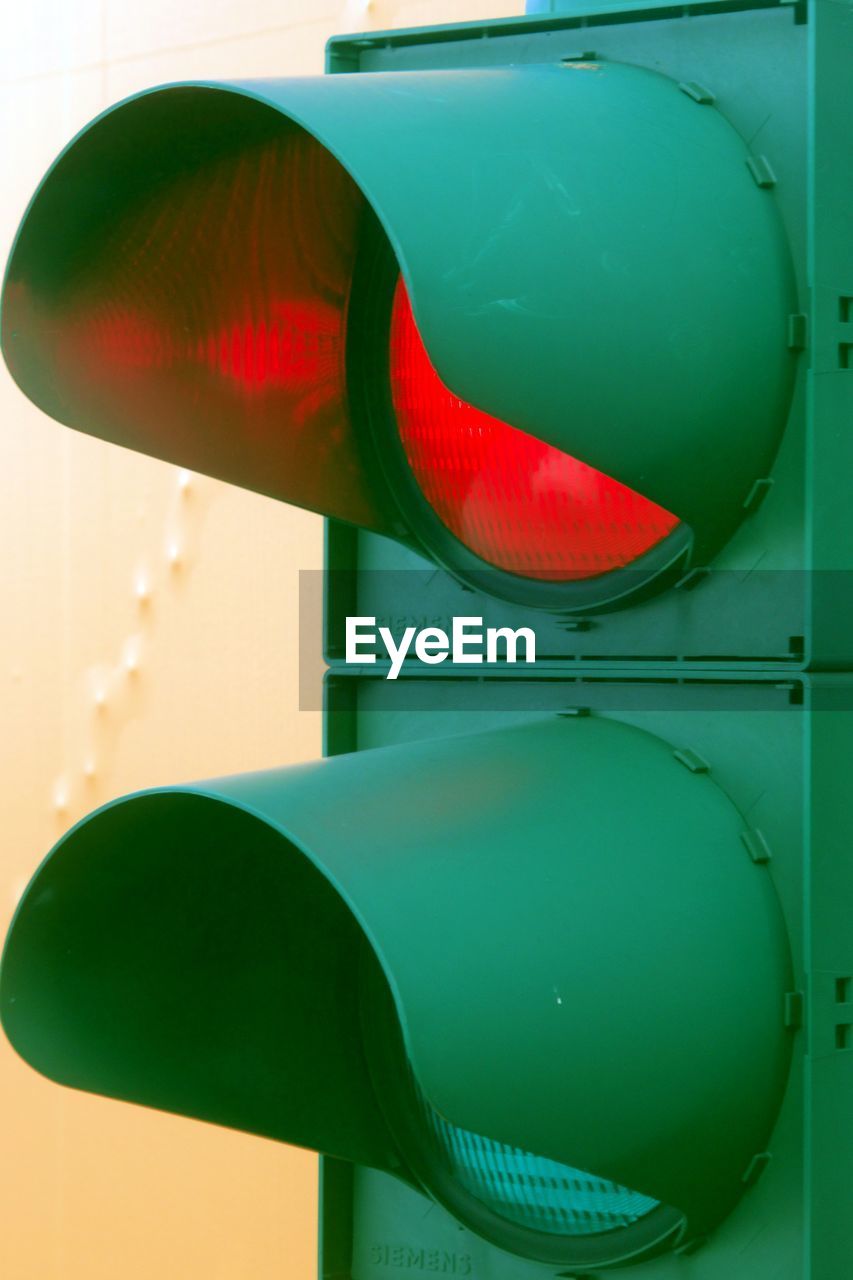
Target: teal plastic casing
(606, 905)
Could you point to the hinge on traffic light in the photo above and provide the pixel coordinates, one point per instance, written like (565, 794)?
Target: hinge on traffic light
(798, 331)
(760, 168)
(692, 761)
(756, 1167)
(698, 93)
(756, 495)
(756, 845)
(795, 1007)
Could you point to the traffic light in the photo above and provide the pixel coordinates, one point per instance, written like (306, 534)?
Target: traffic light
(552, 966)
(471, 279)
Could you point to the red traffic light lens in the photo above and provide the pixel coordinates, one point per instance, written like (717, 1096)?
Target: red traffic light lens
(516, 502)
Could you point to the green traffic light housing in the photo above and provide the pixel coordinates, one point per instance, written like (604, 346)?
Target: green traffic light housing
(564, 305)
(540, 333)
(540, 1004)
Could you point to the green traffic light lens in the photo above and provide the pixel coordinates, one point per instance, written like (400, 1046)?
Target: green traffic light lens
(528, 1204)
(531, 1190)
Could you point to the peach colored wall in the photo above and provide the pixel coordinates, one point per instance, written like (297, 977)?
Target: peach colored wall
(148, 633)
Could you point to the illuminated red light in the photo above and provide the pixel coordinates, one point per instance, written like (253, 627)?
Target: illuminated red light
(209, 326)
(520, 505)
(299, 349)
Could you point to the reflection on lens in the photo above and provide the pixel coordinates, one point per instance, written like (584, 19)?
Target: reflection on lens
(530, 1190)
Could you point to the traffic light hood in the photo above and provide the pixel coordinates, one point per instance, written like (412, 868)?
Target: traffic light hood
(588, 256)
(579, 956)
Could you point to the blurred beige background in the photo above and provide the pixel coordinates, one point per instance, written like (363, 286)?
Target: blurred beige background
(148, 634)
